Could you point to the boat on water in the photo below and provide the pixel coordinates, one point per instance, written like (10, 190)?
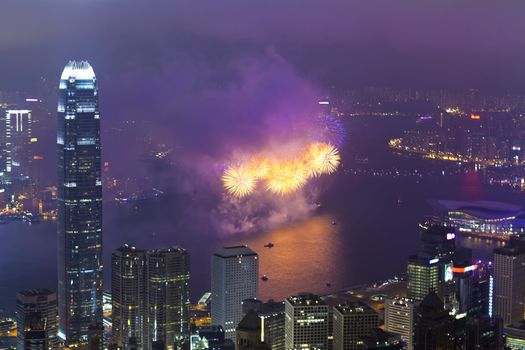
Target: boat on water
(269, 245)
(334, 223)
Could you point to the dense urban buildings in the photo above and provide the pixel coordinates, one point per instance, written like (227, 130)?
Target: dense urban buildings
(235, 277)
(306, 322)
(80, 282)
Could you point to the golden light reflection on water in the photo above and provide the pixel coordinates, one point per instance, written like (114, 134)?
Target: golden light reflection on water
(312, 245)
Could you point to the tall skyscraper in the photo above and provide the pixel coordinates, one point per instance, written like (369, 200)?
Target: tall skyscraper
(306, 322)
(399, 318)
(509, 283)
(235, 277)
(79, 203)
(352, 322)
(423, 277)
(43, 302)
(18, 140)
(35, 337)
(168, 293)
(128, 297)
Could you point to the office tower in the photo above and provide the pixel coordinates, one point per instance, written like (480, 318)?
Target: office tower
(399, 318)
(434, 327)
(35, 337)
(18, 140)
(43, 302)
(306, 322)
(351, 322)
(168, 293)
(509, 283)
(79, 204)
(438, 241)
(271, 316)
(423, 277)
(128, 297)
(234, 278)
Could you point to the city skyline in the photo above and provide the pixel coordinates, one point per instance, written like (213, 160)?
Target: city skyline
(233, 176)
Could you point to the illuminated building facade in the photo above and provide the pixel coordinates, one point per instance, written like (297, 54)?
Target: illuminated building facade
(128, 297)
(423, 277)
(306, 322)
(235, 277)
(509, 284)
(168, 293)
(43, 302)
(18, 140)
(352, 322)
(482, 218)
(399, 318)
(79, 203)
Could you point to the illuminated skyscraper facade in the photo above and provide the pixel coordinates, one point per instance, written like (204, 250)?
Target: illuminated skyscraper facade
(128, 297)
(168, 293)
(18, 140)
(79, 203)
(234, 278)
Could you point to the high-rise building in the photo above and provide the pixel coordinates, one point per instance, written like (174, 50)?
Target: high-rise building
(43, 302)
(79, 203)
(509, 283)
(351, 322)
(423, 277)
(168, 293)
(399, 318)
(35, 332)
(306, 322)
(18, 140)
(235, 277)
(128, 297)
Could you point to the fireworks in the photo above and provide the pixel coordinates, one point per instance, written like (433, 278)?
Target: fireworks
(239, 181)
(286, 177)
(324, 158)
(328, 128)
(282, 176)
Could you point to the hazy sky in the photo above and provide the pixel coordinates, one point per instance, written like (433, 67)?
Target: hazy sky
(354, 43)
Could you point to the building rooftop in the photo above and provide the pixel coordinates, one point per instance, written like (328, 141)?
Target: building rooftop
(305, 299)
(235, 251)
(80, 70)
(35, 292)
(251, 321)
(128, 249)
(480, 209)
(351, 308)
(172, 249)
